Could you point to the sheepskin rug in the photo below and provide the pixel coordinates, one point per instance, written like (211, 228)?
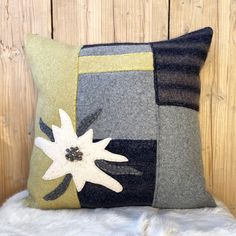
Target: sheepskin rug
(18, 220)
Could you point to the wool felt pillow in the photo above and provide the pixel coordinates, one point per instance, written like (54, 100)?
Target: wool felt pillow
(129, 132)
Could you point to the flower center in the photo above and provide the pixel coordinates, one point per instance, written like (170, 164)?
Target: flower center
(73, 154)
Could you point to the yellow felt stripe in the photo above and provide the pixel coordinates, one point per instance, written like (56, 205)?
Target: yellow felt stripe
(55, 71)
(121, 62)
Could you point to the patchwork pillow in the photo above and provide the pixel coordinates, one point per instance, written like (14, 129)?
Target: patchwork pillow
(129, 132)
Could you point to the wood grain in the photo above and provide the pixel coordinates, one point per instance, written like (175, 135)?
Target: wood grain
(17, 93)
(218, 100)
(224, 107)
(104, 21)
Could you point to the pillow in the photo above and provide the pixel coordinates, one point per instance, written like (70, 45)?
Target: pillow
(129, 133)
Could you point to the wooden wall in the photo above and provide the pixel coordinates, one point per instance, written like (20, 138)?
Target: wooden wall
(100, 21)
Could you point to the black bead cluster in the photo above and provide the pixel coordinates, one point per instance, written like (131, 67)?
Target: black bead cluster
(73, 154)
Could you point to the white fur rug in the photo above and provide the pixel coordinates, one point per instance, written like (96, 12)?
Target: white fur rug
(18, 220)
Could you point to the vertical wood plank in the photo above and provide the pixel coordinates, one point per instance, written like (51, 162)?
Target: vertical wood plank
(140, 21)
(156, 20)
(218, 102)
(80, 22)
(17, 93)
(224, 107)
(104, 21)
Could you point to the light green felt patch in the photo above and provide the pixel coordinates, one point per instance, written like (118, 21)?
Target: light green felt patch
(54, 67)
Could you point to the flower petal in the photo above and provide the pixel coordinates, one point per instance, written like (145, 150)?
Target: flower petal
(47, 147)
(97, 176)
(63, 138)
(102, 144)
(65, 120)
(54, 171)
(86, 138)
(58, 134)
(65, 135)
(79, 182)
(109, 156)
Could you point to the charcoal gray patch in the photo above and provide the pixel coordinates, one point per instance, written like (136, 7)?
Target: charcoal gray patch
(87, 122)
(116, 169)
(60, 189)
(46, 130)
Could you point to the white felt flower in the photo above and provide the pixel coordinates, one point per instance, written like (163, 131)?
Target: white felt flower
(76, 156)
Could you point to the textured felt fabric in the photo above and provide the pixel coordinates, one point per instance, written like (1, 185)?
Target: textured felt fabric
(127, 100)
(112, 50)
(160, 105)
(125, 62)
(179, 183)
(177, 65)
(54, 67)
(138, 189)
(145, 96)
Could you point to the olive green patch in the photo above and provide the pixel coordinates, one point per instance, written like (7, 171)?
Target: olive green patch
(54, 67)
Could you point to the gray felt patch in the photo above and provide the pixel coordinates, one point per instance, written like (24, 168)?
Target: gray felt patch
(127, 100)
(180, 181)
(114, 49)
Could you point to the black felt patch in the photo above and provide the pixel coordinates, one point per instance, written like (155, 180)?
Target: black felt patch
(177, 64)
(138, 190)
